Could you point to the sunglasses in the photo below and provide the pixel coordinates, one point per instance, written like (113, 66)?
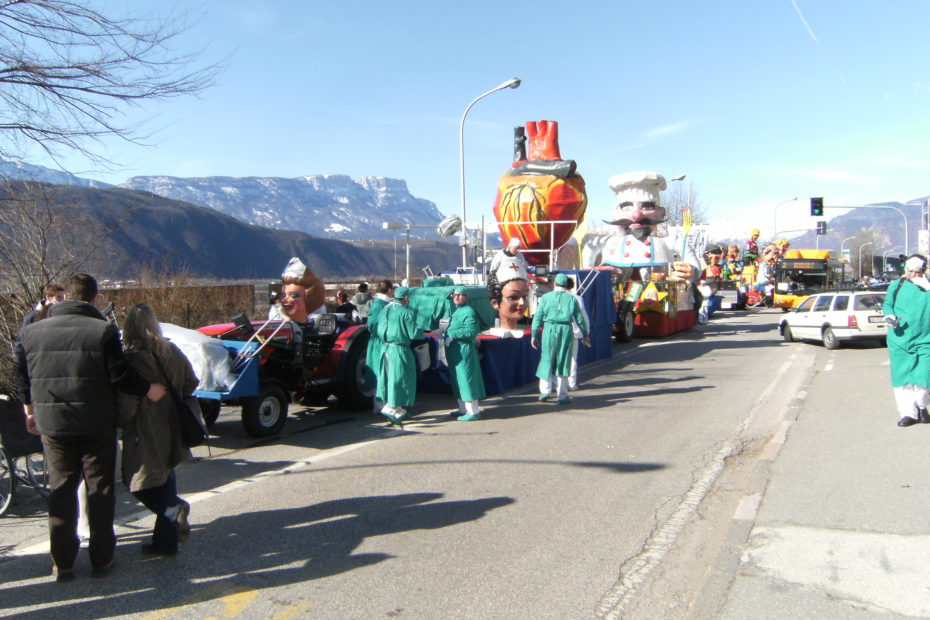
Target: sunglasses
(294, 295)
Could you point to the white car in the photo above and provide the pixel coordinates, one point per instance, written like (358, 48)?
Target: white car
(834, 317)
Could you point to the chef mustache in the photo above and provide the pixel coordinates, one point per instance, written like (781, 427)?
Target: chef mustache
(646, 221)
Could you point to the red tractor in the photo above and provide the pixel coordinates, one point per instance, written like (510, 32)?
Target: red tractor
(279, 362)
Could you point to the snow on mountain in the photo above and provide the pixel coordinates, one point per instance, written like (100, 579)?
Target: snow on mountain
(20, 171)
(334, 206)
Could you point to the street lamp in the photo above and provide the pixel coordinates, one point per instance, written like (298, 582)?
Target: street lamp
(843, 242)
(442, 229)
(775, 215)
(511, 83)
(885, 257)
(860, 257)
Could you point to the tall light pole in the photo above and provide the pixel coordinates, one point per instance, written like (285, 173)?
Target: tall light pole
(775, 216)
(860, 257)
(843, 243)
(511, 83)
(405, 227)
(885, 257)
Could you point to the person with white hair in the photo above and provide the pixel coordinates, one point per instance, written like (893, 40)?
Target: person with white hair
(509, 260)
(907, 313)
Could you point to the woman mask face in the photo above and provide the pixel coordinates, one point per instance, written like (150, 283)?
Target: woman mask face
(294, 304)
(512, 306)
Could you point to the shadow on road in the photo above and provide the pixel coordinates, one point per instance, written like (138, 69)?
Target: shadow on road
(282, 547)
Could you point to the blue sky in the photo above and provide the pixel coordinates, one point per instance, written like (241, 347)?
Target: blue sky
(757, 102)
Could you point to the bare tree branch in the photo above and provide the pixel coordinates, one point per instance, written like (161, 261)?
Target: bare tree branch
(67, 73)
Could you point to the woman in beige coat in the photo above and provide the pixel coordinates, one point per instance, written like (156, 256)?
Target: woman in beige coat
(152, 445)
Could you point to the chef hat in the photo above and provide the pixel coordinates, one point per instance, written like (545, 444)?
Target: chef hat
(915, 262)
(298, 273)
(637, 186)
(514, 243)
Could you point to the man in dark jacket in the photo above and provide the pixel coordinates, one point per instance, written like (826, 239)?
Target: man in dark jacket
(70, 366)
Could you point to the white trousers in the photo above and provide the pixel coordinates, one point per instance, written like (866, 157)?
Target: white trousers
(561, 384)
(909, 397)
(468, 406)
(573, 375)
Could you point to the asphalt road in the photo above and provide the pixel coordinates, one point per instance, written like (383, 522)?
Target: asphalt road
(537, 511)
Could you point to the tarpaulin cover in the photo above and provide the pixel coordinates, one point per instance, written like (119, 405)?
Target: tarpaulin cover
(434, 303)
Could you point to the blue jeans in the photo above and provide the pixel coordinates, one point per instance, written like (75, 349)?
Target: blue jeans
(158, 499)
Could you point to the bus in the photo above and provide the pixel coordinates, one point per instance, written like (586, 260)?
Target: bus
(800, 273)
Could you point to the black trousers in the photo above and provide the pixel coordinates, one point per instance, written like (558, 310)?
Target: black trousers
(69, 460)
(158, 499)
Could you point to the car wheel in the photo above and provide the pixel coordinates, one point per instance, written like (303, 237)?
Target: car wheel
(830, 340)
(264, 415)
(786, 334)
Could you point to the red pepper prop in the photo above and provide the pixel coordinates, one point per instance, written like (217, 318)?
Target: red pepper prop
(540, 187)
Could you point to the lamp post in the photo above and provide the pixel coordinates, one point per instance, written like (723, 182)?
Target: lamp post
(885, 257)
(860, 257)
(843, 243)
(405, 227)
(511, 83)
(775, 216)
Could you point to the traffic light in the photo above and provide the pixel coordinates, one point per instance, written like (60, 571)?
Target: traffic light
(821, 228)
(817, 206)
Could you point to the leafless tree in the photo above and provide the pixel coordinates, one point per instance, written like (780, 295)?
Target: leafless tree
(41, 241)
(677, 197)
(68, 72)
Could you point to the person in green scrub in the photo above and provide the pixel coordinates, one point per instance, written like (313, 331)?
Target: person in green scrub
(375, 347)
(907, 313)
(555, 314)
(397, 380)
(462, 357)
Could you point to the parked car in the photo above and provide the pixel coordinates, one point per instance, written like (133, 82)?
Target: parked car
(835, 317)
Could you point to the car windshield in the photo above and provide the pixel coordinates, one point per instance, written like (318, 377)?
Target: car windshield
(869, 302)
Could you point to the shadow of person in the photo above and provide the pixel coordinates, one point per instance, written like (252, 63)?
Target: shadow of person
(258, 549)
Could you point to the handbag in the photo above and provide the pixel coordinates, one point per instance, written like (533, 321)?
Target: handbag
(190, 419)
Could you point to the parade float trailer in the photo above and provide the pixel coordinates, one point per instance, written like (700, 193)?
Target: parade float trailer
(274, 363)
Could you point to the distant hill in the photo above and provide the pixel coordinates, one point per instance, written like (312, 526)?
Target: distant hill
(332, 206)
(148, 230)
(885, 225)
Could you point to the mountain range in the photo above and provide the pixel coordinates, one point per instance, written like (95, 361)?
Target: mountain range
(332, 206)
(131, 231)
(237, 227)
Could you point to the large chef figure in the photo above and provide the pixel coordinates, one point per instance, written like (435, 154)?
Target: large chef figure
(637, 216)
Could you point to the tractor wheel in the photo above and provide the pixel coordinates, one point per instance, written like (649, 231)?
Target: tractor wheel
(354, 390)
(625, 326)
(210, 409)
(264, 415)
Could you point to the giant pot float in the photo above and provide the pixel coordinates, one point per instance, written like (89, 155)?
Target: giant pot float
(537, 188)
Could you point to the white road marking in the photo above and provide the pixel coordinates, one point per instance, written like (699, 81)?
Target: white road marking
(126, 525)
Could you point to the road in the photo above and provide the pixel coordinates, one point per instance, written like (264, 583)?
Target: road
(614, 506)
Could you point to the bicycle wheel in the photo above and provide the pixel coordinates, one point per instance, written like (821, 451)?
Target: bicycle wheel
(7, 480)
(37, 474)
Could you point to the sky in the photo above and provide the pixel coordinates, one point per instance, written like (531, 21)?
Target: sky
(756, 102)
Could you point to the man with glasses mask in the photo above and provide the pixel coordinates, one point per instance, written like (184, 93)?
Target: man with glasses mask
(907, 313)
